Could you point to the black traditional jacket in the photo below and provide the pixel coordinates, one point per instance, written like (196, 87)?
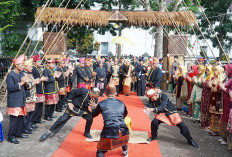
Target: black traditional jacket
(50, 86)
(155, 77)
(81, 75)
(163, 105)
(15, 93)
(80, 99)
(88, 72)
(140, 72)
(37, 73)
(113, 111)
(61, 79)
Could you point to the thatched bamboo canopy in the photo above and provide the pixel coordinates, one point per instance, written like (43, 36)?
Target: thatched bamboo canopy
(95, 18)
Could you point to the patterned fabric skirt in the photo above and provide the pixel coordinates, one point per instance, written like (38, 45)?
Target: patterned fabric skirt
(171, 120)
(112, 143)
(30, 106)
(126, 89)
(229, 142)
(62, 91)
(215, 122)
(40, 98)
(196, 111)
(223, 131)
(88, 86)
(81, 85)
(185, 107)
(51, 99)
(68, 89)
(17, 111)
(229, 126)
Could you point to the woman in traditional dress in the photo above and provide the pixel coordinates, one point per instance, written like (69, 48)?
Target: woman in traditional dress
(229, 126)
(179, 82)
(127, 72)
(115, 69)
(226, 87)
(30, 91)
(196, 93)
(206, 97)
(215, 106)
(190, 84)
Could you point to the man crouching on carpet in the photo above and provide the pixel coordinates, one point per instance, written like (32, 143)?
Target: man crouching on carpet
(165, 113)
(78, 102)
(115, 132)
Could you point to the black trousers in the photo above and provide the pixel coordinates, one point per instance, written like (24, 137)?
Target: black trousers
(117, 89)
(49, 110)
(108, 76)
(37, 114)
(61, 102)
(15, 127)
(183, 129)
(27, 121)
(173, 83)
(101, 153)
(141, 87)
(120, 83)
(65, 117)
(134, 86)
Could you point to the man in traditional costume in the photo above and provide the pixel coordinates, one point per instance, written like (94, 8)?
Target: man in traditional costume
(101, 77)
(37, 74)
(115, 132)
(61, 85)
(88, 72)
(50, 89)
(109, 64)
(69, 77)
(82, 77)
(134, 82)
(127, 72)
(140, 72)
(30, 92)
(16, 100)
(121, 64)
(115, 70)
(154, 77)
(165, 113)
(79, 101)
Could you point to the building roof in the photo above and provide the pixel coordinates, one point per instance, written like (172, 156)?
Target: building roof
(97, 18)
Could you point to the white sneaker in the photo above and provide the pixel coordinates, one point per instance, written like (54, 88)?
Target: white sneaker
(223, 142)
(220, 140)
(125, 153)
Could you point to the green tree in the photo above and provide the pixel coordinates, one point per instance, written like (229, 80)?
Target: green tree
(82, 39)
(8, 16)
(219, 17)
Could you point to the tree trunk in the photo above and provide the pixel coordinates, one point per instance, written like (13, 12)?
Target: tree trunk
(159, 35)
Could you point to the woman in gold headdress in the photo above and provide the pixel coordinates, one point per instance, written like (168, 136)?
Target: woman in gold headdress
(206, 97)
(215, 105)
(179, 82)
(196, 93)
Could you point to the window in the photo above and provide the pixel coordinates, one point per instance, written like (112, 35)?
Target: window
(104, 48)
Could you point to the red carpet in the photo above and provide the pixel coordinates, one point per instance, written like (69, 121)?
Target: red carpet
(75, 144)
